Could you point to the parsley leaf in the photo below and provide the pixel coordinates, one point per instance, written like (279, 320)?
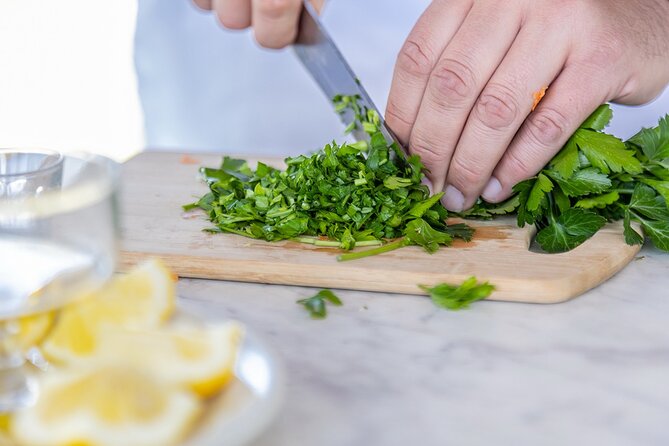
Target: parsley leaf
(457, 297)
(606, 152)
(658, 232)
(583, 182)
(537, 195)
(566, 161)
(654, 142)
(599, 119)
(316, 305)
(662, 187)
(569, 230)
(645, 201)
(419, 232)
(631, 236)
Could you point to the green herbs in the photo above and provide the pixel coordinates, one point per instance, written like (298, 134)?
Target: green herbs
(369, 194)
(596, 178)
(344, 196)
(457, 297)
(316, 306)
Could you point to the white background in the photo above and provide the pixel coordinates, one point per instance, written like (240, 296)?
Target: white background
(67, 78)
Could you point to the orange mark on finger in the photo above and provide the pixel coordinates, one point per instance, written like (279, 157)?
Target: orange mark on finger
(538, 96)
(188, 160)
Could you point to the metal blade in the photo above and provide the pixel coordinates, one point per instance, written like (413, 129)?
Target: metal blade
(327, 66)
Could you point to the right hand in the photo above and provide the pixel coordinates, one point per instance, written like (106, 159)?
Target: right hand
(274, 22)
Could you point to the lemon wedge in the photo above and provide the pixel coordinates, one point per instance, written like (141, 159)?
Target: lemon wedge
(107, 405)
(201, 359)
(143, 298)
(31, 330)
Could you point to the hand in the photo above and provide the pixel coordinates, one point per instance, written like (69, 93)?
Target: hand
(274, 22)
(467, 76)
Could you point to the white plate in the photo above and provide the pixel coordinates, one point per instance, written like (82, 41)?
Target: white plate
(247, 406)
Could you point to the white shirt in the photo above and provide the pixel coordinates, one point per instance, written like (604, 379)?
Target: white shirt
(204, 88)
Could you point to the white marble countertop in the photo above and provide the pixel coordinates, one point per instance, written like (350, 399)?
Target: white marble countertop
(395, 370)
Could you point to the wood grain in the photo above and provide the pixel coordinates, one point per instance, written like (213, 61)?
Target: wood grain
(156, 184)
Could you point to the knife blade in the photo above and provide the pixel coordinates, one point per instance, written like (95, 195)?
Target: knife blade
(328, 67)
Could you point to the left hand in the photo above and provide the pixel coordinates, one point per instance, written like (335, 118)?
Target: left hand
(465, 83)
(274, 22)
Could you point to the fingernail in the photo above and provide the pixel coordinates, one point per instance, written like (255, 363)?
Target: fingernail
(453, 200)
(492, 191)
(427, 183)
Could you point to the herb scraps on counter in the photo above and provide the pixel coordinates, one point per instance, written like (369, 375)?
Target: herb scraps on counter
(458, 297)
(596, 178)
(316, 305)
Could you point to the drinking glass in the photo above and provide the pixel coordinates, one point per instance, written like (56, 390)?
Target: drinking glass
(58, 242)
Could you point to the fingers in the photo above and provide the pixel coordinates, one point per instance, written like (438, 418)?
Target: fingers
(203, 4)
(499, 112)
(418, 56)
(275, 22)
(455, 83)
(233, 14)
(571, 98)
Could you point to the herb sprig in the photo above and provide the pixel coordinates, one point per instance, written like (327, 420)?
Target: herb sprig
(458, 297)
(316, 305)
(594, 179)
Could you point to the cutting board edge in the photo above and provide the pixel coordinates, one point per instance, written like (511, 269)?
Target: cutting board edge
(538, 290)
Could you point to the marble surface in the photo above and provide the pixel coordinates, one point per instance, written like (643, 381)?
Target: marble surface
(395, 370)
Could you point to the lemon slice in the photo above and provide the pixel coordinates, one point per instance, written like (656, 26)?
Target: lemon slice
(143, 298)
(199, 358)
(106, 405)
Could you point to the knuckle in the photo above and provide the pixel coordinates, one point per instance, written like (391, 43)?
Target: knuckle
(608, 47)
(397, 115)
(275, 9)
(517, 168)
(465, 172)
(451, 82)
(415, 58)
(497, 108)
(547, 127)
(429, 152)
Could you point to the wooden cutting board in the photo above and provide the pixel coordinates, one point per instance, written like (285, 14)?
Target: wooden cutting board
(155, 185)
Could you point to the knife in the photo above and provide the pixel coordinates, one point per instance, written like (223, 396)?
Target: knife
(320, 56)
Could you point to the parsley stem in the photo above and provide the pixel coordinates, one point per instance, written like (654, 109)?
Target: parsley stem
(307, 240)
(364, 243)
(329, 243)
(399, 243)
(640, 219)
(333, 243)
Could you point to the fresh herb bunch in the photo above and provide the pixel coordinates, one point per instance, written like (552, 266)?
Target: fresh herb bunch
(359, 194)
(596, 178)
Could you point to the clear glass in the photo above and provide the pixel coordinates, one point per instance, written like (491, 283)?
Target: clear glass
(58, 242)
(29, 172)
